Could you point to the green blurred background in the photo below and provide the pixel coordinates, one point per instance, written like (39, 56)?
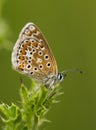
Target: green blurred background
(70, 28)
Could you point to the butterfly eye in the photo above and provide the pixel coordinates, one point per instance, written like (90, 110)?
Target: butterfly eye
(60, 77)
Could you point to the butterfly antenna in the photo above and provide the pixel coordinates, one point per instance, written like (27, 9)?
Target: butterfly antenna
(71, 70)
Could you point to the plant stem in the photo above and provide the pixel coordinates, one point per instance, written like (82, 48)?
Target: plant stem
(35, 125)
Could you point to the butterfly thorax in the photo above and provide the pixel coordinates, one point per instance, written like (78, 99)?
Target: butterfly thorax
(52, 80)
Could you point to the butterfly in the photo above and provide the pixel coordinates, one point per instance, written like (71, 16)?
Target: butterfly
(32, 56)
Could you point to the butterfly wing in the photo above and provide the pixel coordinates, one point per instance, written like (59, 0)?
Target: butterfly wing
(31, 54)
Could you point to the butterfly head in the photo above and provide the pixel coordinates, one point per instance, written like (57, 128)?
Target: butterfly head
(60, 77)
(51, 80)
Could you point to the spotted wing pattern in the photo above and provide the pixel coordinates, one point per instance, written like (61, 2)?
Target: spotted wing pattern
(31, 54)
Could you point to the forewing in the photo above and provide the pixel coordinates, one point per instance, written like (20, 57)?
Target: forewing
(31, 54)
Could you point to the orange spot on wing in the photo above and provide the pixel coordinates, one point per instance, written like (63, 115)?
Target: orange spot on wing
(26, 45)
(21, 66)
(35, 30)
(41, 46)
(21, 57)
(26, 58)
(23, 51)
(35, 44)
(30, 33)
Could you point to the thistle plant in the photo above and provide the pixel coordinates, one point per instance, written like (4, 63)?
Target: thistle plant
(30, 112)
